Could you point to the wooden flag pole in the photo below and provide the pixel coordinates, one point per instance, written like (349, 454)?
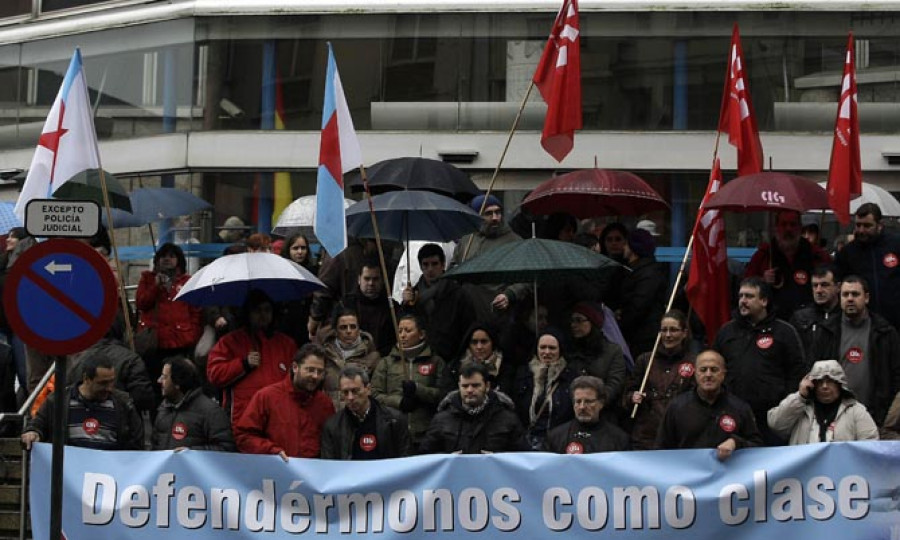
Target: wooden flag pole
(684, 259)
(384, 273)
(123, 299)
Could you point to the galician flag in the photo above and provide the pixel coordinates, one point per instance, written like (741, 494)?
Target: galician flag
(68, 143)
(338, 153)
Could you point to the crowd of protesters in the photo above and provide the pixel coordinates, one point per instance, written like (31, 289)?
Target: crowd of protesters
(812, 354)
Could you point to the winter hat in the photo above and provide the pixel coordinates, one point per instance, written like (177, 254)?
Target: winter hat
(592, 311)
(478, 200)
(830, 369)
(641, 243)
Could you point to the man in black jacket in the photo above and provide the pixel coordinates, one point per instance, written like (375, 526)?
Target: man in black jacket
(474, 419)
(709, 416)
(763, 354)
(187, 418)
(826, 305)
(866, 345)
(99, 416)
(588, 433)
(364, 429)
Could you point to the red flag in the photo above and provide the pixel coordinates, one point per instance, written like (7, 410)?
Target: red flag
(558, 78)
(708, 282)
(736, 116)
(845, 171)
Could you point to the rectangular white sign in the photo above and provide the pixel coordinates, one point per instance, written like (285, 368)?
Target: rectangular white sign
(58, 218)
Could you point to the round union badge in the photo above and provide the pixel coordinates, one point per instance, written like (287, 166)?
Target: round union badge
(179, 431)
(801, 277)
(765, 341)
(890, 260)
(91, 426)
(574, 448)
(854, 355)
(368, 443)
(686, 370)
(727, 423)
(426, 369)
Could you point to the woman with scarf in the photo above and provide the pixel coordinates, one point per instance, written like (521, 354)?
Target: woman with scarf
(346, 345)
(407, 379)
(542, 388)
(481, 345)
(251, 357)
(671, 373)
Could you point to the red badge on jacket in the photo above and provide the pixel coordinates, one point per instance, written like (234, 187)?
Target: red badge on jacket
(727, 423)
(426, 369)
(91, 426)
(686, 370)
(854, 355)
(890, 260)
(368, 443)
(765, 341)
(179, 431)
(574, 447)
(801, 277)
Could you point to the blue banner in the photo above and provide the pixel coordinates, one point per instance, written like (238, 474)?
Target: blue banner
(839, 491)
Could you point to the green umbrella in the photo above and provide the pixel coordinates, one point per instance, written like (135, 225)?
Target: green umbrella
(532, 260)
(86, 186)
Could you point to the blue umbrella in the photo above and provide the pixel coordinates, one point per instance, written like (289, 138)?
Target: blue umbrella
(157, 204)
(8, 218)
(413, 215)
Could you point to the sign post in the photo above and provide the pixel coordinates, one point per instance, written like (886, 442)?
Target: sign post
(60, 298)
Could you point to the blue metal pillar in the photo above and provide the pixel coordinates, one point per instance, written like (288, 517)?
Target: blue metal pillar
(266, 204)
(169, 120)
(678, 186)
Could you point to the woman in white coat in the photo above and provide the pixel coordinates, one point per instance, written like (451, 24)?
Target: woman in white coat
(823, 409)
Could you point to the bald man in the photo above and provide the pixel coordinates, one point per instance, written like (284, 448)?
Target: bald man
(709, 416)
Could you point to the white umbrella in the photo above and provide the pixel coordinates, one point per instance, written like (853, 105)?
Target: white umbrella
(228, 280)
(299, 218)
(871, 193)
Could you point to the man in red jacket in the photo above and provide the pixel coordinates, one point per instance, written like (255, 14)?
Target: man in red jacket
(286, 418)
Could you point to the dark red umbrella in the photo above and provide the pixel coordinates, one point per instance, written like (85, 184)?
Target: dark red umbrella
(594, 192)
(769, 191)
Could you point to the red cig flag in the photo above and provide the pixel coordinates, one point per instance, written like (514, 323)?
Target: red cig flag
(736, 116)
(845, 170)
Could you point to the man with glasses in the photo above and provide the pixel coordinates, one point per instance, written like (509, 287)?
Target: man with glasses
(364, 429)
(587, 433)
(286, 418)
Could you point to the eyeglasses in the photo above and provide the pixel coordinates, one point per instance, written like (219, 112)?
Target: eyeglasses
(578, 320)
(670, 330)
(348, 326)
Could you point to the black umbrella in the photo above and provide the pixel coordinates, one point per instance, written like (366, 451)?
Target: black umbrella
(86, 185)
(416, 174)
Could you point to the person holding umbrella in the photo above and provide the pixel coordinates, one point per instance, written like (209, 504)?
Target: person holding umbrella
(407, 379)
(178, 325)
(251, 357)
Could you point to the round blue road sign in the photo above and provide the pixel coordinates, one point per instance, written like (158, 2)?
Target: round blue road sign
(60, 297)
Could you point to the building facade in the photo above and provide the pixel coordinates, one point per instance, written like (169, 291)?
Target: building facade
(185, 90)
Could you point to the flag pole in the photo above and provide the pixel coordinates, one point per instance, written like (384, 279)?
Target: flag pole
(387, 285)
(123, 299)
(512, 131)
(678, 278)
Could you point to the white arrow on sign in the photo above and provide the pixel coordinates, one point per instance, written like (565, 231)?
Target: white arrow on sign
(53, 268)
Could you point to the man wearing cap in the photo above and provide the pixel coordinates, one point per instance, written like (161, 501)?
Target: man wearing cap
(709, 416)
(644, 292)
(823, 409)
(494, 232)
(786, 264)
(866, 346)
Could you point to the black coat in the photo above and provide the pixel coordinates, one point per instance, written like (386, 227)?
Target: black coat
(495, 429)
(808, 322)
(446, 312)
(577, 438)
(131, 373)
(339, 433)
(765, 361)
(691, 422)
(197, 422)
(644, 295)
(884, 351)
(875, 263)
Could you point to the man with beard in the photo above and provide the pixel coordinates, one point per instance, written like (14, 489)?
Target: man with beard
(474, 419)
(808, 320)
(874, 255)
(786, 265)
(763, 353)
(441, 304)
(488, 300)
(286, 418)
(866, 346)
(709, 416)
(588, 433)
